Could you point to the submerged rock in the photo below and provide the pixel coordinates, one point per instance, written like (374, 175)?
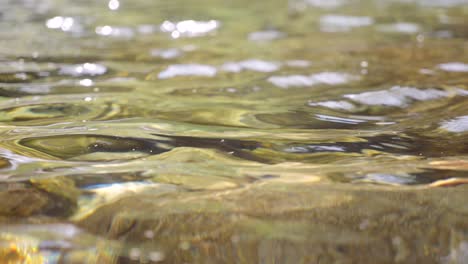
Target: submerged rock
(54, 197)
(289, 223)
(22, 202)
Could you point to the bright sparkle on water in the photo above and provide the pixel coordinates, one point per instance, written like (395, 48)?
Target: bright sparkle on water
(189, 28)
(58, 22)
(113, 4)
(86, 82)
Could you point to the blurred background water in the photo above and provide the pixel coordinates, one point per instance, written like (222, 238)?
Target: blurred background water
(221, 131)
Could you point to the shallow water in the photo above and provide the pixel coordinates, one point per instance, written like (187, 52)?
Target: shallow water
(300, 131)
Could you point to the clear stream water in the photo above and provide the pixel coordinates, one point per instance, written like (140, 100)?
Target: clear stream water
(300, 131)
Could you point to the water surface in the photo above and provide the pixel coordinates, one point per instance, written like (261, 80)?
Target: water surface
(300, 131)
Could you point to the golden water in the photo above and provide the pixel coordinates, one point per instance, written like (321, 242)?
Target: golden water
(300, 131)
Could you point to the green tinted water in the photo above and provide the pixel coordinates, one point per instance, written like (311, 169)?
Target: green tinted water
(307, 131)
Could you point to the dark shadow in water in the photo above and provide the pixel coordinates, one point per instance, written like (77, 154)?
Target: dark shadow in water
(70, 146)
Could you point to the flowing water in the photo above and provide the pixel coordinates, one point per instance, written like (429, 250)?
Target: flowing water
(233, 131)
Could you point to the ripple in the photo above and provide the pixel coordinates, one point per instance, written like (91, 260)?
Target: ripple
(248, 160)
(86, 69)
(189, 28)
(21, 71)
(341, 120)
(326, 4)
(442, 3)
(34, 112)
(88, 147)
(333, 78)
(392, 179)
(301, 119)
(292, 81)
(188, 70)
(397, 96)
(166, 54)
(22, 66)
(341, 23)
(234, 147)
(298, 63)
(329, 78)
(314, 148)
(453, 67)
(113, 31)
(13, 161)
(78, 87)
(252, 65)
(383, 143)
(401, 27)
(338, 105)
(37, 112)
(266, 35)
(17, 77)
(81, 145)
